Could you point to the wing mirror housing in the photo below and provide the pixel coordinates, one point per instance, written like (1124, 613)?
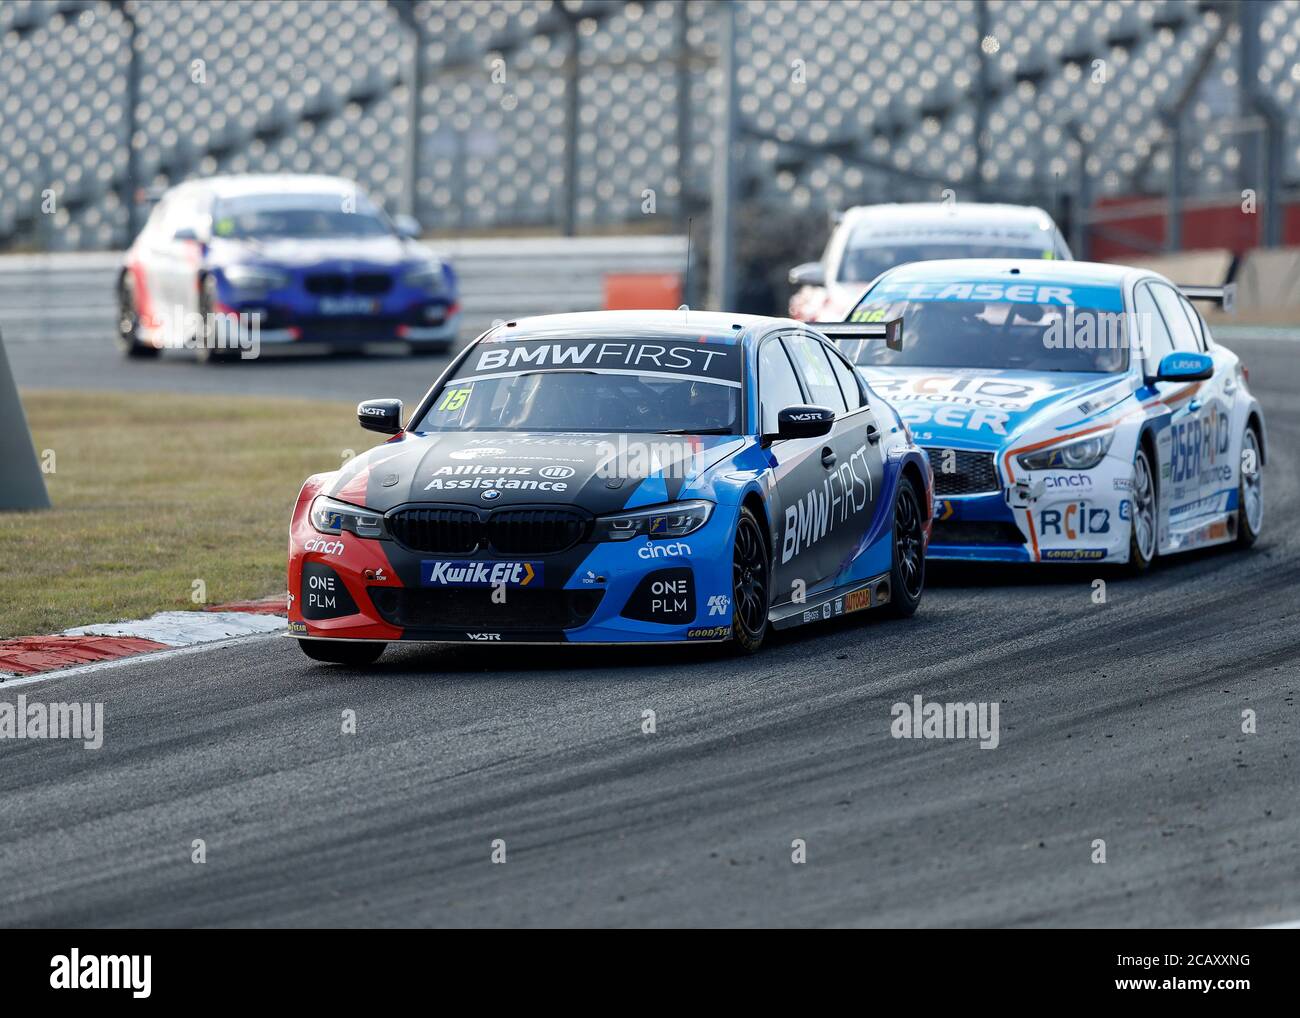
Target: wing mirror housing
(381, 415)
(802, 422)
(408, 227)
(808, 274)
(1181, 366)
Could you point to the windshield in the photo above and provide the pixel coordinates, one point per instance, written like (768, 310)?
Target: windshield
(864, 260)
(587, 385)
(1041, 328)
(273, 216)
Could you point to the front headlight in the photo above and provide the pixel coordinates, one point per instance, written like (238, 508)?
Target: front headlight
(427, 277)
(673, 519)
(330, 516)
(255, 277)
(1082, 455)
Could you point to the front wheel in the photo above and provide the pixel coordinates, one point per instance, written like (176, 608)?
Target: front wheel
(342, 652)
(750, 585)
(212, 344)
(1142, 538)
(1250, 490)
(907, 573)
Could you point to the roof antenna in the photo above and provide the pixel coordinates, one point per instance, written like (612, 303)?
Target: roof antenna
(686, 288)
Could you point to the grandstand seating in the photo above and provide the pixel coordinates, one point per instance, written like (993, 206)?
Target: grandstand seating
(843, 102)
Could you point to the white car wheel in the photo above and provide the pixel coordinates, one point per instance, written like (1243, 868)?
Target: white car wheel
(1250, 513)
(1142, 546)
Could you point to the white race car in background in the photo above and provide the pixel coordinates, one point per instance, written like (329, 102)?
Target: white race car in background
(869, 239)
(1072, 411)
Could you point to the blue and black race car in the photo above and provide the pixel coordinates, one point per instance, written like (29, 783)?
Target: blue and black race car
(227, 265)
(616, 477)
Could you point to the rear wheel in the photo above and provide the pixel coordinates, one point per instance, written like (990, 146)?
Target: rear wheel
(751, 585)
(1142, 538)
(1250, 492)
(128, 322)
(342, 652)
(907, 573)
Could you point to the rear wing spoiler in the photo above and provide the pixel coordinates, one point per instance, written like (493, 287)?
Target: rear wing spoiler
(1225, 296)
(891, 332)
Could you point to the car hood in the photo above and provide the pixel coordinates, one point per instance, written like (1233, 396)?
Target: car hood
(600, 473)
(298, 252)
(975, 408)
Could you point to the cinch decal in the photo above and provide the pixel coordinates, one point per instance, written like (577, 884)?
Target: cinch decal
(460, 573)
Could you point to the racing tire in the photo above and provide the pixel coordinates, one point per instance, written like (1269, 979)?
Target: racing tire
(342, 652)
(1144, 513)
(1250, 490)
(907, 570)
(205, 349)
(751, 585)
(128, 323)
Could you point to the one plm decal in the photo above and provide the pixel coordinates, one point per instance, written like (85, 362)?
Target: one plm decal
(464, 573)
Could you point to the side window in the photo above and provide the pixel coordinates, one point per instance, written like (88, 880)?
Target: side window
(810, 357)
(1186, 335)
(848, 379)
(1151, 327)
(778, 387)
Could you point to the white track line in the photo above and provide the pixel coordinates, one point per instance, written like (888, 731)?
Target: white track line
(118, 662)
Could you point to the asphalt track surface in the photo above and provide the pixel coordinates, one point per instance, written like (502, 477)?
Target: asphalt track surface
(93, 363)
(1119, 722)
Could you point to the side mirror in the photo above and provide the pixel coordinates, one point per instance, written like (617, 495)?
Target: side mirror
(186, 233)
(408, 227)
(803, 422)
(808, 274)
(382, 415)
(1185, 367)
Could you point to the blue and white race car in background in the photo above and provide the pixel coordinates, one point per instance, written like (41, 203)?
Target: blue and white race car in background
(310, 258)
(1072, 411)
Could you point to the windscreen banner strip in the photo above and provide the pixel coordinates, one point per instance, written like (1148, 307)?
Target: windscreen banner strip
(712, 360)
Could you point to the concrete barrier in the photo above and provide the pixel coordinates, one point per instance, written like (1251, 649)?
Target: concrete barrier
(1268, 281)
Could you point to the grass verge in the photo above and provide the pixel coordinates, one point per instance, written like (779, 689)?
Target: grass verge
(157, 496)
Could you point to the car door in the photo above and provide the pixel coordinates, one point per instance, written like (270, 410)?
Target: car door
(1207, 464)
(796, 498)
(851, 453)
(177, 260)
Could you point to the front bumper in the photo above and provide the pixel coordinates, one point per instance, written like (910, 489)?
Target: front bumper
(401, 315)
(638, 591)
(1047, 516)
